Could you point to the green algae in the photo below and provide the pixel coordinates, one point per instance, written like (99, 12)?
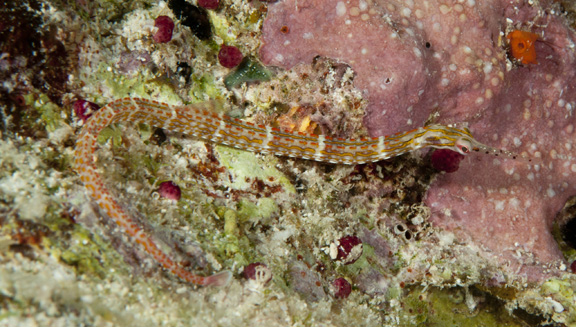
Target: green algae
(363, 263)
(261, 210)
(204, 87)
(50, 113)
(451, 307)
(563, 292)
(111, 133)
(222, 27)
(249, 70)
(230, 222)
(88, 253)
(247, 166)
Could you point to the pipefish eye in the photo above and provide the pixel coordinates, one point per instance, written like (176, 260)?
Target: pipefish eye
(463, 146)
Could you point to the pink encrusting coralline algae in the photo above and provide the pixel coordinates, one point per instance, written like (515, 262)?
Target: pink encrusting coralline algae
(447, 59)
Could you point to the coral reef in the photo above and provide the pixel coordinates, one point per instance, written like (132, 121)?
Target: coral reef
(432, 244)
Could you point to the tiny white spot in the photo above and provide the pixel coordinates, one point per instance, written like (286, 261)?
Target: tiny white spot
(406, 12)
(495, 81)
(556, 306)
(526, 114)
(279, 58)
(527, 103)
(340, 8)
(362, 5)
(550, 192)
(444, 82)
(364, 51)
(514, 202)
(419, 13)
(454, 39)
(308, 36)
(517, 141)
(444, 9)
(553, 154)
(537, 154)
(487, 68)
(417, 52)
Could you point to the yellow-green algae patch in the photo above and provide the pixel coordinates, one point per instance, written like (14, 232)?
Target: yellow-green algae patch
(246, 165)
(451, 307)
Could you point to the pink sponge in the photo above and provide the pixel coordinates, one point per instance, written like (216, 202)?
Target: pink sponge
(413, 59)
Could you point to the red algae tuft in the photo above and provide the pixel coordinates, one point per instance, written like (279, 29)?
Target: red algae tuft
(209, 4)
(258, 272)
(165, 27)
(229, 56)
(84, 109)
(341, 288)
(348, 249)
(170, 190)
(446, 160)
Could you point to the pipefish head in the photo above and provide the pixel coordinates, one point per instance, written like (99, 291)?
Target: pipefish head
(461, 141)
(447, 137)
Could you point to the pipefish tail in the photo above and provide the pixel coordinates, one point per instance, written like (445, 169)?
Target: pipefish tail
(199, 121)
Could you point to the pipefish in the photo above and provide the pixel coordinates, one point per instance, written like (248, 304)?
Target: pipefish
(199, 121)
